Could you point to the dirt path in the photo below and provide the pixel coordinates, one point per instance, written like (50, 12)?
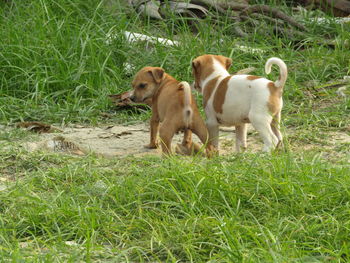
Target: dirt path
(118, 140)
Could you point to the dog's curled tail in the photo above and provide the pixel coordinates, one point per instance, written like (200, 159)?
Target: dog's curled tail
(187, 111)
(283, 70)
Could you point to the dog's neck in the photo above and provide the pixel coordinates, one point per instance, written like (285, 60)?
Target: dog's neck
(217, 71)
(165, 81)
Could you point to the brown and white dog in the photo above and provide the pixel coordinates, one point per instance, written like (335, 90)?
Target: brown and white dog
(239, 99)
(173, 105)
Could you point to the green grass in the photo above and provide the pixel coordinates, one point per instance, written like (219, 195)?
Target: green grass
(56, 67)
(245, 208)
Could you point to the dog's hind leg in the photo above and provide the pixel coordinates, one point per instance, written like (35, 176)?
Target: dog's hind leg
(200, 129)
(166, 134)
(262, 124)
(275, 126)
(187, 140)
(241, 137)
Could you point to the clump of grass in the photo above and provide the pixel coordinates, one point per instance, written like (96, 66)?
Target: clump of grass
(63, 65)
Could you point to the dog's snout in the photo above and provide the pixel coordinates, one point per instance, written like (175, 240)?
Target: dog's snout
(132, 97)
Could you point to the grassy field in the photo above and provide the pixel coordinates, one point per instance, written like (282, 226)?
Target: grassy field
(57, 66)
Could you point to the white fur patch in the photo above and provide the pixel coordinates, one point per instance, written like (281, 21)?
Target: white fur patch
(243, 97)
(219, 70)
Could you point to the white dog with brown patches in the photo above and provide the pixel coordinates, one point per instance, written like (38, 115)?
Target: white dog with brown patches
(235, 100)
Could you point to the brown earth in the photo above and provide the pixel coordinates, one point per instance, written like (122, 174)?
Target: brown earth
(118, 140)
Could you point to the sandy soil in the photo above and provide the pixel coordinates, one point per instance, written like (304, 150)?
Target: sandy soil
(118, 140)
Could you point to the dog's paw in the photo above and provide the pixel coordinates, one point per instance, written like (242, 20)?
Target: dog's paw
(197, 148)
(151, 146)
(182, 150)
(193, 149)
(212, 151)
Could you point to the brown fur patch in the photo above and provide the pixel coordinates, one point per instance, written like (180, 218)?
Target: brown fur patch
(167, 80)
(274, 103)
(226, 62)
(252, 77)
(220, 94)
(202, 68)
(208, 90)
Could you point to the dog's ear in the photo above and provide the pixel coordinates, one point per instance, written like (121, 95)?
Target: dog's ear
(225, 61)
(157, 74)
(195, 64)
(228, 63)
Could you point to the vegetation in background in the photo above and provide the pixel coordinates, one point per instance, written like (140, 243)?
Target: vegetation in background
(58, 66)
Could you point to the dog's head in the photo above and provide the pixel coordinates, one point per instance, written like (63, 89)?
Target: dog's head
(203, 66)
(146, 82)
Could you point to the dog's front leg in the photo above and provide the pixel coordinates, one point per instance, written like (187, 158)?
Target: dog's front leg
(241, 137)
(154, 123)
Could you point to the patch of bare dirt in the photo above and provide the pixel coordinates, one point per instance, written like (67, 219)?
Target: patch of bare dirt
(118, 140)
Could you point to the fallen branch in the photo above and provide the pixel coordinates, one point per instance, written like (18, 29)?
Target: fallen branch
(335, 7)
(270, 11)
(238, 11)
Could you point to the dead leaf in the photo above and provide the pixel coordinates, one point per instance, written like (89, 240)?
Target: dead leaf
(111, 135)
(120, 96)
(105, 135)
(39, 127)
(61, 144)
(79, 126)
(106, 115)
(150, 9)
(122, 133)
(123, 100)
